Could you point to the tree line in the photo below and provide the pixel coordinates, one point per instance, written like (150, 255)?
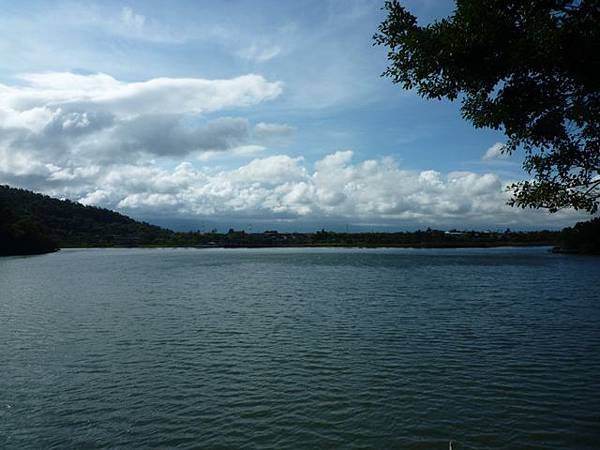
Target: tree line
(34, 223)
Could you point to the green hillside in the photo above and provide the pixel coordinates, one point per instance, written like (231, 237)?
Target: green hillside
(35, 223)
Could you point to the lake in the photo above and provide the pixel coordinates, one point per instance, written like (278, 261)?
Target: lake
(300, 348)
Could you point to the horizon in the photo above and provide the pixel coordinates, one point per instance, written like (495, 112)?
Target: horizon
(194, 113)
(207, 226)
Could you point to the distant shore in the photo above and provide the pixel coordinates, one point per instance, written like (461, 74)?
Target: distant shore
(264, 245)
(36, 224)
(554, 248)
(400, 245)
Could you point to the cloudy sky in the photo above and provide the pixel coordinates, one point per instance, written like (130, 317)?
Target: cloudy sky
(240, 113)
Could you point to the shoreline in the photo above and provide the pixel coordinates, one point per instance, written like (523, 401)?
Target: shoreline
(553, 247)
(438, 245)
(333, 245)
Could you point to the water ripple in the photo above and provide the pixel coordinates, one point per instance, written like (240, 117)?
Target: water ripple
(300, 348)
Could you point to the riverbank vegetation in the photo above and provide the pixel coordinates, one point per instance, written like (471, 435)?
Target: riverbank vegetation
(34, 223)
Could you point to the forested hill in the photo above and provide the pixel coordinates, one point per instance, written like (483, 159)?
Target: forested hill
(35, 223)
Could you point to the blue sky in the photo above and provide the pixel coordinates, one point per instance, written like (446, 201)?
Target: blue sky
(239, 113)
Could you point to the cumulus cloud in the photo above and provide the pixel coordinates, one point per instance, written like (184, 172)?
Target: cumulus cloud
(68, 119)
(282, 187)
(243, 151)
(167, 135)
(132, 146)
(495, 152)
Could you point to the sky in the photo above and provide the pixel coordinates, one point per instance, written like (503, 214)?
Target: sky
(247, 114)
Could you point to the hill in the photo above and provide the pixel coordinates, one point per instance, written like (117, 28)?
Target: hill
(34, 223)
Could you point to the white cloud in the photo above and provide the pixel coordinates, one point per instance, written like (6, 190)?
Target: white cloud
(121, 144)
(495, 152)
(272, 171)
(33, 119)
(126, 99)
(20, 164)
(69, 119)
(282, 187)
(243, 151)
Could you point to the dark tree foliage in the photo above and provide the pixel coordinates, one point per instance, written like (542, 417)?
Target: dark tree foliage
(527, 67)
(22, 235)
(70, 224)
(584, 237)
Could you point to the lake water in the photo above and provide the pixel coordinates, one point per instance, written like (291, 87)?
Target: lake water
(300, 348)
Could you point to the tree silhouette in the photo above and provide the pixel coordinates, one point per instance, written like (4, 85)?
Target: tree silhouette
(528, 68)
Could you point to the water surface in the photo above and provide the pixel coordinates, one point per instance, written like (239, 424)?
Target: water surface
(300, 348)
